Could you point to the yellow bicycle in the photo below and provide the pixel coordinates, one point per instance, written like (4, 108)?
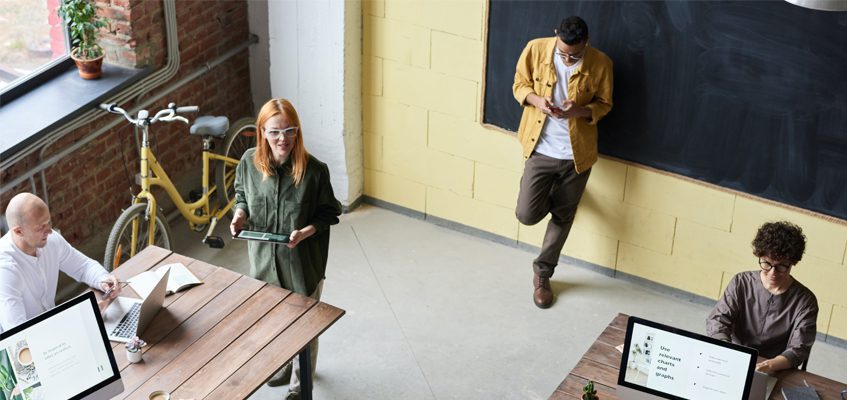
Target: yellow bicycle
(140, 225)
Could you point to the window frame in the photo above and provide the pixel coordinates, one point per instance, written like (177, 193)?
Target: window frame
(40, 76)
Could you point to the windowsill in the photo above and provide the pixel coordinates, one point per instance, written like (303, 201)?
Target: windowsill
(33, 115)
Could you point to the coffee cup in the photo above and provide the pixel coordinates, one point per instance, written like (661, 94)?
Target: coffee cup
(160, 395)
(25, 356)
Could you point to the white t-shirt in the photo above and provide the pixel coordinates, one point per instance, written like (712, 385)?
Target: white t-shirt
(555, 140)
(28, 284)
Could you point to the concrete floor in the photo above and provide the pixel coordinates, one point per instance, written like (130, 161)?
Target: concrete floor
(437, 314)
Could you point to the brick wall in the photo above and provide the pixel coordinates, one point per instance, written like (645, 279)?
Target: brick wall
(88, 189)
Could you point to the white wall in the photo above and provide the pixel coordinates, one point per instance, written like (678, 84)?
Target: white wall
(260, 77)
(315, 62)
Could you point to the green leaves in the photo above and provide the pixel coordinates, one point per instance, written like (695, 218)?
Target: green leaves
(84, 26)
(6, 381)
(588, 392)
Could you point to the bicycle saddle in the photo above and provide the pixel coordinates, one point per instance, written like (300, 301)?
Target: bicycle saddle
(211, 126)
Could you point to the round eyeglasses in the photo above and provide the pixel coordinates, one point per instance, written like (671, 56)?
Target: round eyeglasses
(287, 132)
(767, 266)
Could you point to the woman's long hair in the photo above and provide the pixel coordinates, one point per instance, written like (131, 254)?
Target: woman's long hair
(263, 159)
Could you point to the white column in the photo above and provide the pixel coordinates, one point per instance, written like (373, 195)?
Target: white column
(315, 62)
(260, 80)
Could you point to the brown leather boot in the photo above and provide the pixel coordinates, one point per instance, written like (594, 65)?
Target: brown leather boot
(543, 294)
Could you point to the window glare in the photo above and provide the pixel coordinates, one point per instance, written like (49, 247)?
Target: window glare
(31, 36)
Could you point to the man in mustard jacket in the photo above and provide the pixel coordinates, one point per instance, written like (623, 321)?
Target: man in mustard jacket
(565, 87)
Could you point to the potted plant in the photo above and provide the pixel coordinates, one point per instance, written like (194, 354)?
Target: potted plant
(84, 25)
(588, 392)
(633, 362)
(133, 349)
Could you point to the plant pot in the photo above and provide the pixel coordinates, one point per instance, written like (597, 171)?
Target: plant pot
(133, 356)
(88, 69)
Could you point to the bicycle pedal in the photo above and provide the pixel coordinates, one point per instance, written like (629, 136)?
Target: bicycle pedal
(215, 242)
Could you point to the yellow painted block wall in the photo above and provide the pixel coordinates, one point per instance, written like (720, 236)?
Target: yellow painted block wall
(426, 150)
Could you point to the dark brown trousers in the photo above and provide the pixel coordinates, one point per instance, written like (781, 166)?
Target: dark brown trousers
(550, 185)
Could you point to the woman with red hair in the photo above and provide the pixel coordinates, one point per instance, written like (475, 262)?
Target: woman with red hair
(281, 188)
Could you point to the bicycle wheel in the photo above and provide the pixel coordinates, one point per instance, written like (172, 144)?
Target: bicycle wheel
(120, 239)
(240, 137)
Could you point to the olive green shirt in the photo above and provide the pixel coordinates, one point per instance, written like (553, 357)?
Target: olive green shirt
(274, 204)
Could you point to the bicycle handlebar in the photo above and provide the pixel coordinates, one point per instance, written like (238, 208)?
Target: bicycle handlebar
(171, 113)
(187, 109)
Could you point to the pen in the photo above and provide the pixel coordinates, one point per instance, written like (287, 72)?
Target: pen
(111, 288)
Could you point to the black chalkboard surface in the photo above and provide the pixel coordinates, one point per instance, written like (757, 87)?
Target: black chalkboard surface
(748, 95)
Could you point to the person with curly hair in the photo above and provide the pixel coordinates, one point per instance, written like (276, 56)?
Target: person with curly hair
(768, 309)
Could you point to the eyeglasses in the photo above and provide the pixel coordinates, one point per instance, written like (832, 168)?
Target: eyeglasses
(287, 132)
(572, 57)
(768, 266)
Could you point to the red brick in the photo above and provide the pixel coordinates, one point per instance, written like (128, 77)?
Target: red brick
(89, 189)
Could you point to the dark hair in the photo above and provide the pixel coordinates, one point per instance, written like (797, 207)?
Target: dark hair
(573, 30)
(781, 241)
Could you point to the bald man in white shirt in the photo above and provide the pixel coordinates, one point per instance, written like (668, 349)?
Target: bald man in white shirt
(31, 256)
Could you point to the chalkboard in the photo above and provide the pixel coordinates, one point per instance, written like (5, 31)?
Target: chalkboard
(748, 95)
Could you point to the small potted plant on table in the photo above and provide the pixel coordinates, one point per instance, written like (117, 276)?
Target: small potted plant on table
(588, 392)
(133, 349)
(84, 25)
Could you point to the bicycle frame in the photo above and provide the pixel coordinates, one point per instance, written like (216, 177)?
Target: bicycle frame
(152, 174)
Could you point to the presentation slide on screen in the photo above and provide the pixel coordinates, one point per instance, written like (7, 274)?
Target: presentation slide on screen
(685, 367)
(54, 359)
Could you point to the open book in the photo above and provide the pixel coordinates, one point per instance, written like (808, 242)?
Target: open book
(180, 278)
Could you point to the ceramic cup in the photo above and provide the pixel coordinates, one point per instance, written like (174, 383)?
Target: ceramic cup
(25, 356)
(160, 395)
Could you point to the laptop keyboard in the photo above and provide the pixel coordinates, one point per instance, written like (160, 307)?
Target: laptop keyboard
(129, 324)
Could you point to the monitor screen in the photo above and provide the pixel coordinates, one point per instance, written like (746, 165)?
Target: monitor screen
(60, 354)
(672, 363)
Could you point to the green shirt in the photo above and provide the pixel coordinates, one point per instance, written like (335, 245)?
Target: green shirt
(274, 204)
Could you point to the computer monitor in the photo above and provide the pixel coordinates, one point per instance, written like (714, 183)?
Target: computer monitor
(62, 353)
(663, 362)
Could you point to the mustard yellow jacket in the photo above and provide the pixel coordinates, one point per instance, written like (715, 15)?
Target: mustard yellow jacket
(590, 86)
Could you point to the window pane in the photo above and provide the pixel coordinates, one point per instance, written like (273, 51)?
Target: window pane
(31, 36)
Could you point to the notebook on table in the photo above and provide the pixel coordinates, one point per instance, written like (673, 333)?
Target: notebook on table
(181, 278)
(800, 393)
(128, 317)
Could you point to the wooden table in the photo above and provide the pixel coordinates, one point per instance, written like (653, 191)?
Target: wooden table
(602, 361)
(222, 339)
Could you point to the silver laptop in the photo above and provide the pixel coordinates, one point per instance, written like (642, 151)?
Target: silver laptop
(763, 385)
(127, 317)
(663, 362)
